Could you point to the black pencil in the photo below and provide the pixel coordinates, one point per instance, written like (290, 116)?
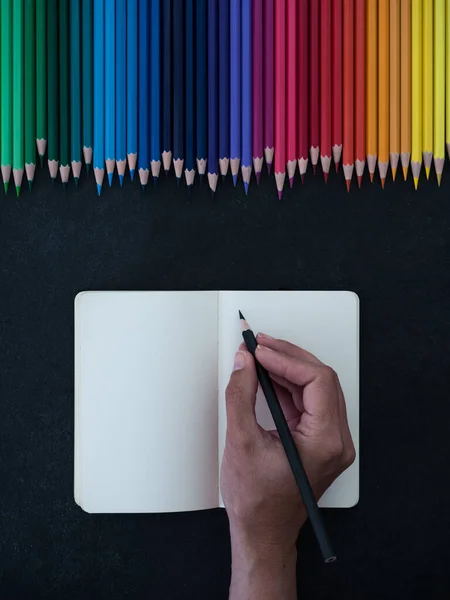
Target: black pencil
(289, 447)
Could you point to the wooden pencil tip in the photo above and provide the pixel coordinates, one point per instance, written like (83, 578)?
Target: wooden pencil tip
(394, 173)
(348, 183)
(416, 183)
(371, 177)
(383, 181)
(359, 181)
(439, 178)
(427, 172)
(405, 173)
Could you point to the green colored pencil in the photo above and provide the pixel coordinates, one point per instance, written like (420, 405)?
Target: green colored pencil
(75, 89)
(6, 90)
(41, 77)
(30, 87)
(64, 122)
(52, 87)
(18, 95)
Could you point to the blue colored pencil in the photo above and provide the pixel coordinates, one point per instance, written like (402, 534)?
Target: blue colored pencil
(144, 108)
(155, 99)
(132, 86)
(235, 87)
(190, 88)
(99, 92)
(121, 92)
(224, 86)
(178, 87)
(167, 86)
(246, 55)
(201, 87)
(87, 86)
(110, 88)
(213, 103)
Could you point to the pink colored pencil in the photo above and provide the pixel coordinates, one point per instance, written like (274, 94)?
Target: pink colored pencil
(269, 141)
(303, 87)
(314, 82)
(348, 157)
(325, 86)
(336, 83)
(280, 95)
(257, 87)
(291, 81)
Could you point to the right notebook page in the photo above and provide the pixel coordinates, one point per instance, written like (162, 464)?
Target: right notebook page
(324, 323)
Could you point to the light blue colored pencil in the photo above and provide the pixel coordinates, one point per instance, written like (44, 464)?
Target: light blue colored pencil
(99, 93)
(121, 90)
(132, 87)
(110, 88)
(155, 87)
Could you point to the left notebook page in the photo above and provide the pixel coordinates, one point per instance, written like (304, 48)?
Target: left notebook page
(146, 433)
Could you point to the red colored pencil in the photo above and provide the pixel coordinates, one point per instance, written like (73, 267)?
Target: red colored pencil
(291, 80)
(303, 94)
(349, 84)
(336, 133)
(325, 86)
(360, 88)
(314, 81)
(280, 95)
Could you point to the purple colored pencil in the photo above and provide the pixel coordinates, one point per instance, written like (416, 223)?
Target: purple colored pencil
(213, 101)
(257, 84)
(235, 87)
(269, 141)
(224, 86)
(246, 56)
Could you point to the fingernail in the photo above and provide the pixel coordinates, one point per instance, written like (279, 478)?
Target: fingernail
(239, 361)
(265, 348)
(264, 335)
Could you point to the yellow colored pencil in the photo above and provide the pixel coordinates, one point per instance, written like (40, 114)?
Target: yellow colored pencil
(416, 90)
(439, 87)
(394, 85)
(447, 77)
(427, 85)
(372, 85)
(405, 85)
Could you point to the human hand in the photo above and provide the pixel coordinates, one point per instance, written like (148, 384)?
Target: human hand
(258, 488)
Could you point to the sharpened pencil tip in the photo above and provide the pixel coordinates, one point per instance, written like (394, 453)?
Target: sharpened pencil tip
(99, 189)
(41, 160)
(144, 187)
(202, 178)
(132, 174)
(314, 169)
(383, 181)
(178, 180)
(359, 180)
(110, 179)
(302, 177)
(416, 183)
(336, 166)
(155, 181)
(269, 168)
(405, 173)
(291, 182)
(427, 172)
(166, 171)
(211, 192)
(246, 188)
(121, 180)
(76, 181)
(241, 316)
(325, 176)
(394, 173)
(280, 194)
(258, 178)
(53, 181)
(223, 178)
(30, 184)
(189, 187)
(371, 175)
(88, 168)
(234, 180)
(348, 183)
(17, 190)
(439, 177)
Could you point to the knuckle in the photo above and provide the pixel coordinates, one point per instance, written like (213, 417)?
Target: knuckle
(349, 456)
(329, 374)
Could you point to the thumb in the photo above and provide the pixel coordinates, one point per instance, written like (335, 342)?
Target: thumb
(241, 398)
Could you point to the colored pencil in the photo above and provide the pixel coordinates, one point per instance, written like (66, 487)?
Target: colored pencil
(303, 88)
(360, 89)
(427, 85)
(246, 72)
(257, 87)
(224, 86)
(64, 98)
(336, 74)
(143, 161)
(416, 90)
(121, 92)
(132, 85)
(75, 89)
(155, 86)
(348, 146)
(291, 89)
(439, 87)
(178, 87)
(394, 85)
(99, 93)
(6, 90)
(30, 87)
(383, 89)
(189, 171)
(405, 85)
(280, 87)
(372, 85)
(87, 83)
(314, 83)
(268, 68)
(110, 88)
(41, 77)
(167, 86)
(447, 76)
(235, 88)
(201, 86)
(325, 86)
(18, 94)
(213, 101)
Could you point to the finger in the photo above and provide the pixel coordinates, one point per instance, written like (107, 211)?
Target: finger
(287, 404)
(295, 391)
(241, 398)
(286, 348)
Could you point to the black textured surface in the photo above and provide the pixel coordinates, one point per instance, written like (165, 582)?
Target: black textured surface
(392, 248)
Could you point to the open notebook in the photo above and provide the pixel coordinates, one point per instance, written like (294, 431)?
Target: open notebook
(151, 370)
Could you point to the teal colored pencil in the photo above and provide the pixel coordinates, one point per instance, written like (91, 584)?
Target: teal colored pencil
(41, 77)
(75, 90)
(110, 88)
(87, 87)
(6, 90)
(18, 95)
(52, 88)
(30, 90)
(64, 100)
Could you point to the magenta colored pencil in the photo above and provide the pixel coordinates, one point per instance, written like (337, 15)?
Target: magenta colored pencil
(257, 85)
(269, 141)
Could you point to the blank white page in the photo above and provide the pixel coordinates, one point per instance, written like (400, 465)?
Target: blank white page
(146, 401)
(326, 324)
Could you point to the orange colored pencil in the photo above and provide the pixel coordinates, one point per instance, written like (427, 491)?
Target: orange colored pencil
(405, 85)
(325, 86)
(280, 95)
(336, 75)
(383, 88)
(360, 88)
(394, 85)
(291, 82)
(372, 85)
(348, 156)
